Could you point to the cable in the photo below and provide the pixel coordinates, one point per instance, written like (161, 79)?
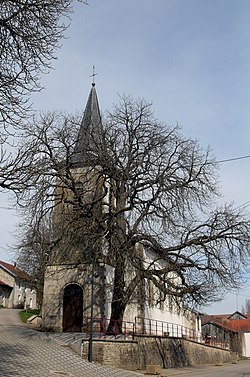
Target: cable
(244, 205)
(234, 159)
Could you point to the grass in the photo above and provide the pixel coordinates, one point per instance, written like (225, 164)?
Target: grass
(25, 314)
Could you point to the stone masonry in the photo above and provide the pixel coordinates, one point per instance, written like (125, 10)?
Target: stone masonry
(168, 353)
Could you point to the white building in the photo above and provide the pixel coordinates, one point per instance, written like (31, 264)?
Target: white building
(17, 288)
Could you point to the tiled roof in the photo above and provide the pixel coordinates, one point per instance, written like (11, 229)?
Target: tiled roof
(4, 284)
(225, 320)
(15, 271)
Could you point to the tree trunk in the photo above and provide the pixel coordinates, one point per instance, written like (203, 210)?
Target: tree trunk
(118, 304)
(115, 323)
(118, 240)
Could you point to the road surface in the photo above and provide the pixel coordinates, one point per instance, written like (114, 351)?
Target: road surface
(227, 370)
(10, 317)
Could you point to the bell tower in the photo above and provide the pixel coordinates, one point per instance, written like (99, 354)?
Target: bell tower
(80, 196)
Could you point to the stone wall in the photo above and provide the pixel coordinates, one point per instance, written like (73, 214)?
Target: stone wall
(56, 278)
(168, 353)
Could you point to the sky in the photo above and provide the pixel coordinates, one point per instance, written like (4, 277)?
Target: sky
(190, 58)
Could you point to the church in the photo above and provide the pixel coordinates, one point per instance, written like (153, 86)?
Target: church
(89, 274)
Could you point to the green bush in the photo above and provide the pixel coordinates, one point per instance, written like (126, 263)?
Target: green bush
(26, 314)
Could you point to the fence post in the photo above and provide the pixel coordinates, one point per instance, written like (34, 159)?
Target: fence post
(105, 327)
(87, 327)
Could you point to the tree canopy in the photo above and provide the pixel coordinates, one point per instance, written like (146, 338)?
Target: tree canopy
(152, 187)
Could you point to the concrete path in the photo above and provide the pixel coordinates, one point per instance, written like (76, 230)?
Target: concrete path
(10, 317)
(226, 370)
(28, 353)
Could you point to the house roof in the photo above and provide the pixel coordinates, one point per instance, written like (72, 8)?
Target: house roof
(15, 272)
(229, 321)
(4, 284)
(219, 325)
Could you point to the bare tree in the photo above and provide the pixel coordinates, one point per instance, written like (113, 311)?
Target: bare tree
(16, 168)
(31, 31)
(33, 249)
(150, 186)
(246, 307)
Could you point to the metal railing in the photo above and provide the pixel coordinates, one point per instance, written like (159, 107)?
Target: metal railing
(101, 328)
(147, 327)
(214, 342)
(152, 327)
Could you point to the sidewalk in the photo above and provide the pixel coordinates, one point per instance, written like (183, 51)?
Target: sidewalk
(189, 370)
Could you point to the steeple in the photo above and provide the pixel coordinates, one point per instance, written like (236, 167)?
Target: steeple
(90, 133)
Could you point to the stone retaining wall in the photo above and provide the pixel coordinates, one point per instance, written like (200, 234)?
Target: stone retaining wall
(168, 353)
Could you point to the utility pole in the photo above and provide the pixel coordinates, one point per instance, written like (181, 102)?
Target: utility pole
(90, 350)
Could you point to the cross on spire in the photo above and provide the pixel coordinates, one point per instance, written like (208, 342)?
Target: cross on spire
(93, 75)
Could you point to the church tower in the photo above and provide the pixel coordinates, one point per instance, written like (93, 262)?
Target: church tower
(81, 195)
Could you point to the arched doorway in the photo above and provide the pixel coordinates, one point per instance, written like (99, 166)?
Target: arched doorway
(72, 308)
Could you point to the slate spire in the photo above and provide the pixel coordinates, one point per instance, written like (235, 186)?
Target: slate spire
(90, 133)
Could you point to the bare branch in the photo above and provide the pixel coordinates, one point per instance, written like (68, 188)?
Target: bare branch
(31, 31)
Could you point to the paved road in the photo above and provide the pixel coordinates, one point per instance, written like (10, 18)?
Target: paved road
(242, 369)
(10, 317)
(27, 353)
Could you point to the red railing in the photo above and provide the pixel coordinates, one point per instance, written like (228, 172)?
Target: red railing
(146, 327)
(100, 328)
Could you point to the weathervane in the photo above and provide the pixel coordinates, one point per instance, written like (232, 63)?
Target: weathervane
(93, 75)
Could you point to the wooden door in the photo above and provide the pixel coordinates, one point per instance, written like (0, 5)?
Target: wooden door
(72, 308)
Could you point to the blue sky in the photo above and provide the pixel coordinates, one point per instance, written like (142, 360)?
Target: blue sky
(191, 58)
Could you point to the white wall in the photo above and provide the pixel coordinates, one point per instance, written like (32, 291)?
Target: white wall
(167, 312)
(24, 293)
(246, 347)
